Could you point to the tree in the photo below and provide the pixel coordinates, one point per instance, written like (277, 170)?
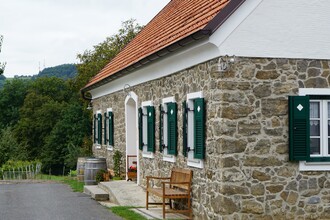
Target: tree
(8, 146)
(2, 65)
(92, 61)
(40, 112)
(66, 141)
(11, 100)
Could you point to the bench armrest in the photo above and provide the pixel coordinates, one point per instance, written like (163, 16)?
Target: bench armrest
(157, 178)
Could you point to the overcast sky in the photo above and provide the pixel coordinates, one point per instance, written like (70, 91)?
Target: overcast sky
(47, 33)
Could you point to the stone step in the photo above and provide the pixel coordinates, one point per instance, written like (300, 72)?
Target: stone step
(96, 193)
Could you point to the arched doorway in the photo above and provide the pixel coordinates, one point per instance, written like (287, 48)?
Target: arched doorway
(132, 141)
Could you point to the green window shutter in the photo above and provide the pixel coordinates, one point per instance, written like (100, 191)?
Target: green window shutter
(199, 128)
(94, 128)
(151, 128)
(140, 118)
(105, 128)
(161, 124)
(99, 128)
(172, 128)
(299, 128)
(111, 129)
(184, 128)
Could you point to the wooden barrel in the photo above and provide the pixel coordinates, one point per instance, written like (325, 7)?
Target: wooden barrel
(81, 168)
(93, 165)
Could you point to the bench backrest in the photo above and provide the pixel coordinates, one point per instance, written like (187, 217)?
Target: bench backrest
(181, 175)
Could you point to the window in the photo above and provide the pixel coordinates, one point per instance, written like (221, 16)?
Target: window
(109, 129)
(147, 129)
(168, 129)
(309, 129)
(194, 129)
(98, 129)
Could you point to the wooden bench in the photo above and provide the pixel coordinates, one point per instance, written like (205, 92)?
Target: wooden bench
(177, 186)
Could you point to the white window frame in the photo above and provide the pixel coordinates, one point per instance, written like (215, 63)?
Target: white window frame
(145, 152)
(315, 166)
(191, 161)
(109, 147)
(97, 145)
(167, 157)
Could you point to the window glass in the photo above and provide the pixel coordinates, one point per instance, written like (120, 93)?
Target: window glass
(315, 146)
(314, 110)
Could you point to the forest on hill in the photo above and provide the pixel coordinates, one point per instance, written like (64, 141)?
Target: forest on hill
(46, 118)
(64, 71)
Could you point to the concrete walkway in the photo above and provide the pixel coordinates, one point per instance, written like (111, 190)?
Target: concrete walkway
(128, 193)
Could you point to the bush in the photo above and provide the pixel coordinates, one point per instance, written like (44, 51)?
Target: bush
(99, 176)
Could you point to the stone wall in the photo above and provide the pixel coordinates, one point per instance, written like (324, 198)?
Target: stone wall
(247, 174)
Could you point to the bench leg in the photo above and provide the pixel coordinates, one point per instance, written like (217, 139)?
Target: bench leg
(147, 200)
(163, 207)
(189, 208)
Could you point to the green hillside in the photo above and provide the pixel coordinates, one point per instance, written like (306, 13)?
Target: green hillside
(64, 71)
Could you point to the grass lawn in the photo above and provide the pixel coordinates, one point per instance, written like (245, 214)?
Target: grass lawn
(71, 181)
(127, 213)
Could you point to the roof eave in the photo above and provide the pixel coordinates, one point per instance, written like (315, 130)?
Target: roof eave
(223, 15)
(152, 57)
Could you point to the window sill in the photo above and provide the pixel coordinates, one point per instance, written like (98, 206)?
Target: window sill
(169, 158)
(314, 166)
(148, 155)
(98, 147)
(196, 163)
(110, 148)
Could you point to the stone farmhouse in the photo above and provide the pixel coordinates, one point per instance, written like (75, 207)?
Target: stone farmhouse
(235, 90)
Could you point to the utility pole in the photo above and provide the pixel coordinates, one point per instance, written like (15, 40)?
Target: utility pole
(2, 65)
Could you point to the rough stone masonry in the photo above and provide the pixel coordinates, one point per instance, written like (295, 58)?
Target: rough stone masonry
(246, 174)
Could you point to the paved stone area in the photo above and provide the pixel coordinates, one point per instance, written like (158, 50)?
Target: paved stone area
(48, 201)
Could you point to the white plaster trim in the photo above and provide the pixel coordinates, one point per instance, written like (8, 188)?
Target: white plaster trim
(133, 96)
(312, 91)
(198, 163)
(168, 157)
(146, 153)
(147, 103)
(168, 100)
(109, 147)
(195, 163)
(314, 166)
(195, 95)
(98, 146)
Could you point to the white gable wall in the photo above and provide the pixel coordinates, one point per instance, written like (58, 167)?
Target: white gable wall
(258, 28)
(277, 28)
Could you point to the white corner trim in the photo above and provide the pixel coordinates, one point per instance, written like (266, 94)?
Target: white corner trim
(147, 103)
(314, 166)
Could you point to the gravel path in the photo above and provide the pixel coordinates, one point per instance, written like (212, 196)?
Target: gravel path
(48, 200)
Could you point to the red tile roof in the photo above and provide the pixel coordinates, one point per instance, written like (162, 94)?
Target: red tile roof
(178, 20)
